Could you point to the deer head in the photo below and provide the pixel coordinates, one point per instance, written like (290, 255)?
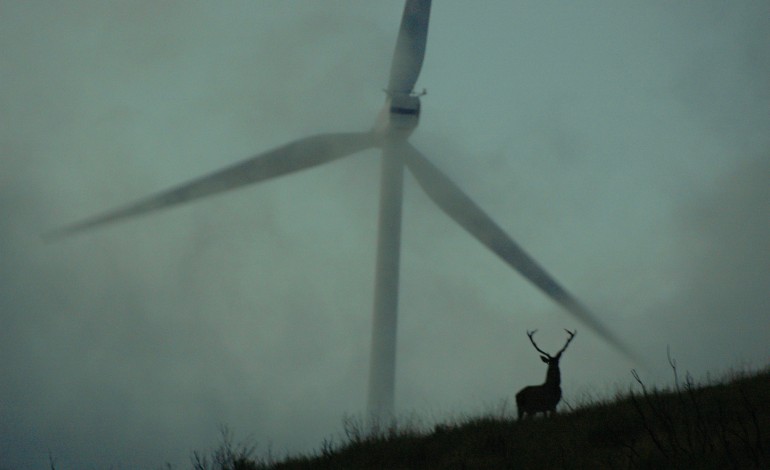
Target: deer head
(547, 358)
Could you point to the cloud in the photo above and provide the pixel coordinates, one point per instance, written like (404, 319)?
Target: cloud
(713, 321)
(625, 147)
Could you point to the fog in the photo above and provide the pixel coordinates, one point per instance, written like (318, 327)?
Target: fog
(623, 145)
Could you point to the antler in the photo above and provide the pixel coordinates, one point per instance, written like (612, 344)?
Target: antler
(571, 335)
(531, 334)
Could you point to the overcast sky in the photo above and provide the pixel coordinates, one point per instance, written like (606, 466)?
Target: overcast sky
(625, 145)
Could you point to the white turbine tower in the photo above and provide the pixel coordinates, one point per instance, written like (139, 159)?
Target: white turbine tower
(395, 123)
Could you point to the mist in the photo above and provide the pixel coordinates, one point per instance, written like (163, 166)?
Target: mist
(623, 145)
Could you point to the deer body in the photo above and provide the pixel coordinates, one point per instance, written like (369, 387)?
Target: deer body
(542, 398)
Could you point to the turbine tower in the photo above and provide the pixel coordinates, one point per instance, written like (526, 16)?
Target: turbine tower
(394, 125)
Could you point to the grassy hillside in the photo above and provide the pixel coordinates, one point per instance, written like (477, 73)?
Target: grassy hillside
(719, 425)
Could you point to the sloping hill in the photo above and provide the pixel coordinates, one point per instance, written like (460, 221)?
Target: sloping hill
(720, 425)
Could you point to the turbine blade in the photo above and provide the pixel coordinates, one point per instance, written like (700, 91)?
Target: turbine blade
(295, 156)
(410, 46)
(455, 203)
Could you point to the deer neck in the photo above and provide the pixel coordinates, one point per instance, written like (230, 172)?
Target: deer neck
(553, 376)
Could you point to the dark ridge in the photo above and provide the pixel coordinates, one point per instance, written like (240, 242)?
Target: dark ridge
(719, 425)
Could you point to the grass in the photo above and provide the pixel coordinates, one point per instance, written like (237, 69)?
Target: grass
(722, 424)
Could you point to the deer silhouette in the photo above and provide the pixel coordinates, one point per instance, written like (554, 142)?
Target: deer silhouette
(543, 398)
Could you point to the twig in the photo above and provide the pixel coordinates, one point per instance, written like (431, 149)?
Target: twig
(640, 411)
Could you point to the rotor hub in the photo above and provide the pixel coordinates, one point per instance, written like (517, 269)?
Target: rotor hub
(399, 117)
(404, 108)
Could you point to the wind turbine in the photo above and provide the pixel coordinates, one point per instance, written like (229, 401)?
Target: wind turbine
(394, 125)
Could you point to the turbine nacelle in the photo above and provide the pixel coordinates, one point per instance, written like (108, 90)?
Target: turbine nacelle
(399, 116)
